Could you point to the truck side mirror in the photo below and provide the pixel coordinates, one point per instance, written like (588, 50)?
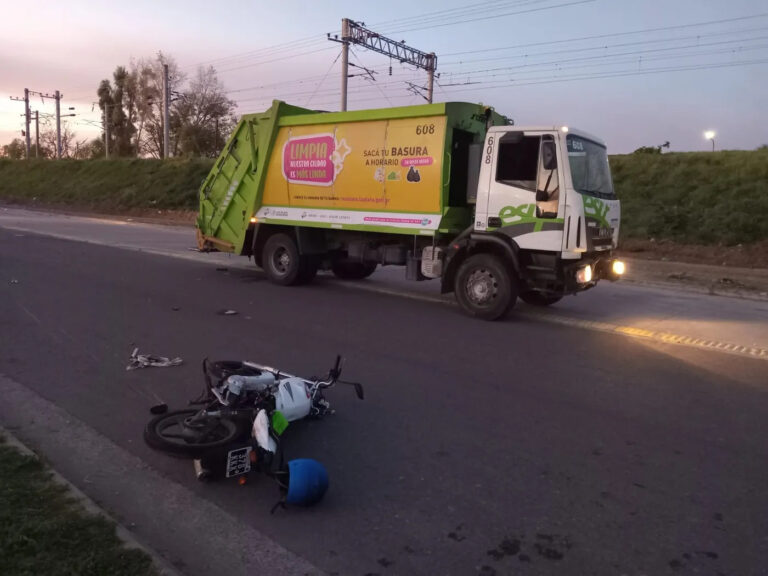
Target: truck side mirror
(549, 156)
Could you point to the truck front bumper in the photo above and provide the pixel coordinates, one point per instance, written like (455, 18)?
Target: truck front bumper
(587, 272)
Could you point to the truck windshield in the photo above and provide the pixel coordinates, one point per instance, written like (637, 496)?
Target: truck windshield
(589, 167)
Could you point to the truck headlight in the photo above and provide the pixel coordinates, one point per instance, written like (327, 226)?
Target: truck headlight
(584, 275)
(618, 267)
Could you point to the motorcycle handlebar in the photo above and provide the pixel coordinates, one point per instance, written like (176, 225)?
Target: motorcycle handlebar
(333, 374)
(316, 384)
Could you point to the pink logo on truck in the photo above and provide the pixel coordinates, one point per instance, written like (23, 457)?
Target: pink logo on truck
(315, 160)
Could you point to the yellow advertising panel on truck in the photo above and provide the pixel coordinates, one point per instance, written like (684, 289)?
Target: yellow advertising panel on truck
(345, 172)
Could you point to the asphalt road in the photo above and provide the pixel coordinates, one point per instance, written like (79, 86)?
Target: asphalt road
(519, 447)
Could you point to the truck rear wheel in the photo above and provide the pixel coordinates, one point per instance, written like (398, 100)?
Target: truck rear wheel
(283, 263)
(346, 270)
(485, 288)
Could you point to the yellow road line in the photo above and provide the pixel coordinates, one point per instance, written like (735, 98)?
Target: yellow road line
(628, 331)
(653, 335)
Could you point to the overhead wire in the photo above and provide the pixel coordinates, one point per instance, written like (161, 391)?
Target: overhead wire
(487, 17)
(324, 77)
(605, 46)
(374, 79)
(613, 34)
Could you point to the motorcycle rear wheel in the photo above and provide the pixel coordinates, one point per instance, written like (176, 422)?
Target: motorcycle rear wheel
(180, 434)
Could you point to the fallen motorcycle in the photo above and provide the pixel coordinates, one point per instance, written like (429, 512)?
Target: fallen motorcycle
(245, 409)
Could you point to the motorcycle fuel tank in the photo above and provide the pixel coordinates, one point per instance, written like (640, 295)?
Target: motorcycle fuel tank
(292, 399)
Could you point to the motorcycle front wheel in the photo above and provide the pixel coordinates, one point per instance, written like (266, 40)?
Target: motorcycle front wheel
(189, 434)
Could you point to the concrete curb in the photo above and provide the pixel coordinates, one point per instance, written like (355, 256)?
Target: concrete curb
(160, 564)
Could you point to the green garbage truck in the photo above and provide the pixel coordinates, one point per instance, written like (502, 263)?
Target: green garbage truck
(451, 191)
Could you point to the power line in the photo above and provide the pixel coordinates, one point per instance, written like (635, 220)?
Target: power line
(541, 79)
(489, 17)
(375, 83)
(452, 12)
(288, 47)
(316, 38)
(631, 53)
(324, 77)
(262, 62)
(606, 46)
(612, 35)
(555, 80)
(617, 74)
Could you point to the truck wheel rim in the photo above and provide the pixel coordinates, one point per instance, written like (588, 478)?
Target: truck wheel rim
(482, 287)
(281, 261)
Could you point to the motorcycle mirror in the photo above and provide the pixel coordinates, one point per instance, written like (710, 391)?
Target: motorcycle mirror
(158, 409)
(336, 370)
(358, 388)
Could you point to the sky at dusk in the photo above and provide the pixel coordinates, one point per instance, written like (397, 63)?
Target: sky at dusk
(634, 73)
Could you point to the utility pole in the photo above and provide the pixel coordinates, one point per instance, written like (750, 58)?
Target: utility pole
(431, 65)
(37, 133)
(58, 125)
(57, 96)
(26, 116)
(344, 62)
(106, 132)
(356, 33)
(166, 105)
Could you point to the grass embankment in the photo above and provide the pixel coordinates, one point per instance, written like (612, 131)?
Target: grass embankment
(43, 530)
(707, 198)
(694, 198)
(104, 185)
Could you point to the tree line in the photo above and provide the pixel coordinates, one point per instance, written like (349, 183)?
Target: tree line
(201, 117)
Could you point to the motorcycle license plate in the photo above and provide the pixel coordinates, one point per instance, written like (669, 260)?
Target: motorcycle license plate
(239, 461)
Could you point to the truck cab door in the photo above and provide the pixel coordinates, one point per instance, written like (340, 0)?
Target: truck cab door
(524, 190)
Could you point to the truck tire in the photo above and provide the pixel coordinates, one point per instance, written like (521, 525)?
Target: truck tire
(283, 263)
(485, 288)
(346, 270)
(535, 298)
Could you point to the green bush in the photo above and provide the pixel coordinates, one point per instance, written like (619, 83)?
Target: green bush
(110, 185)
(694, 197)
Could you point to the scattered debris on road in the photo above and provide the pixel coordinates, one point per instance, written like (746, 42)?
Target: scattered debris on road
(144, 360)
(14, 281)
(227, 312)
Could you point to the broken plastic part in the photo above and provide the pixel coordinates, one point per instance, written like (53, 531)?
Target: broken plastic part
(144, 360)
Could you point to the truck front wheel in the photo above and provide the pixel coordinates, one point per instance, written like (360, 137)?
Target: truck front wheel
(485, 288)
(283, 263)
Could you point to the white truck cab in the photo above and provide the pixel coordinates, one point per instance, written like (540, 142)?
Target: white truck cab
(548, 188)
(545, 206)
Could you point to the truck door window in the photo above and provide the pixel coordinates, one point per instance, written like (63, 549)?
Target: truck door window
(518, 161)
(548, 186)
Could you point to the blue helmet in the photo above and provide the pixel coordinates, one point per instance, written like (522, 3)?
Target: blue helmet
(307, 482)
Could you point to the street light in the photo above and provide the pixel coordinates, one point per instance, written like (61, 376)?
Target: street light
(710, 135)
